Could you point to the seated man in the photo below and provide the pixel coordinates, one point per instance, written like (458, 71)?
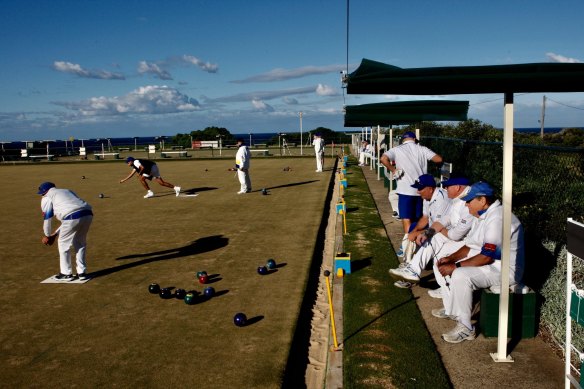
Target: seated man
(453, 226)
(436, 205)
(477, 264)
(366, 151)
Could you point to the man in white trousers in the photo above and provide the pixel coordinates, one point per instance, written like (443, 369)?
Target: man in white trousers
(477, 264)
(75, 216)
(436, 205)
(318, 144)
(366, 151)
(242, 161)
(453, 226)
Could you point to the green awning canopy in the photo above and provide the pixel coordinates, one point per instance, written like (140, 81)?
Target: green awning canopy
(404, 112)
(373, 77)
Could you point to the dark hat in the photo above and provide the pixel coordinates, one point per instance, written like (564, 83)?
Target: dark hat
(130, 159)
(408, 134)
(455, 180)
(44, 187)
(424, 181)
(478, 189)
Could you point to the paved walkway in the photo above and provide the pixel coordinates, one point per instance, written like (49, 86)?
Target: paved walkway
(469, 364)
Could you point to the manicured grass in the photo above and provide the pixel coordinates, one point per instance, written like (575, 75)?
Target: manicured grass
(110, 332)
(386, 343)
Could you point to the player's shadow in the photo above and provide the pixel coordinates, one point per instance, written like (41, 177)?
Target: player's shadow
(360, 264)
(199, 246)
(292, 184)
(201, 189)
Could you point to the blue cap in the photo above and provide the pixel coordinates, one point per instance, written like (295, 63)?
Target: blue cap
(478, 189)
(130, 159)
(424, 181)
(44, 187)
(408, 134)
(455, 180)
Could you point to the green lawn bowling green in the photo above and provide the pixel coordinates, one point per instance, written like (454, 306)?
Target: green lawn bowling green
(111, 331)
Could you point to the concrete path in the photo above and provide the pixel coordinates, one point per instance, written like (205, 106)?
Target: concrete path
(469, 364)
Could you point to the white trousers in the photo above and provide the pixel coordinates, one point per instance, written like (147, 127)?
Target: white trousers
(464, 280)
(244, 180)
(73, 235)
(319, 161)
(434, 249)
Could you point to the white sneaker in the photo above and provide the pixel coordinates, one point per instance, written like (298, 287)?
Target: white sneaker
(440, 313)
(459, 334)
(149, 194)
(241, 192)
(177, 190)
(406, 273)
(435, 293)
(403, 284)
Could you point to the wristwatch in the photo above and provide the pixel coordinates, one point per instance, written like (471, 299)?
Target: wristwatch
(457, 264)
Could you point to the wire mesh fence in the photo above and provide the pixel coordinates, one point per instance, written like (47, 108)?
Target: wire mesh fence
(548, 182)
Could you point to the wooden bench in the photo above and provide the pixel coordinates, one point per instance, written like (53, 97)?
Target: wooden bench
(169, 154)
(265, 152)
(124, 149)
(99, 156)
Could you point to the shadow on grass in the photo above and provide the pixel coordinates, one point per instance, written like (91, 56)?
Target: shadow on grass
(201, 189)
(360, 264)
(411, 299)
(201, 245)
(292, 184)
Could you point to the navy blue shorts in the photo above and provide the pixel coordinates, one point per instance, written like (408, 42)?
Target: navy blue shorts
(410, 207)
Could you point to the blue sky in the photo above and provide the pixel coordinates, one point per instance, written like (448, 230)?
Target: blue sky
(88, 69)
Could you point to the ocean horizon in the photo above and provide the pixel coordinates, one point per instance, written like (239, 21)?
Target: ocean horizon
(97, 144)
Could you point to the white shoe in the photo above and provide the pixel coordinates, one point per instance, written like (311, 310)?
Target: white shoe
(435, 293)
(403, 284)
(459, 333)
(177, 190)
(241, 192)
(440, 313)
(149, 194)
(406, 273)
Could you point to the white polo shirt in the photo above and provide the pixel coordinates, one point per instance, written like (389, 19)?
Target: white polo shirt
(413, 159)
(437, 207)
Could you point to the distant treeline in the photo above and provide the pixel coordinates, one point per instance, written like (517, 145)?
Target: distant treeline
(476, 130)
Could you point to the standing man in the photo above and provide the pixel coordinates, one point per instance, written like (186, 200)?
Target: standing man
(75, 216)
(242, 161)
(147, 170)
(411, 161)
(477, 264)
(318, 144)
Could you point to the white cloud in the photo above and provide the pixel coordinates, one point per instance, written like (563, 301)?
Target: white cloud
(152, 68)
(264, 95)
(325, 90)
(206, 66)
(144, 100)
(76, 69)
(560, 58)
(290, 100)
(288, 74)
(261, 106)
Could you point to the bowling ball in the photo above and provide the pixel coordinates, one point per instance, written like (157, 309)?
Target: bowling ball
(190, 298)
(165, 293)
(203, 279)
(240, 319)
(209, 291)
(154, 288)
(262, 270)
(271, 264)
(201, 273)
(180, 293)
